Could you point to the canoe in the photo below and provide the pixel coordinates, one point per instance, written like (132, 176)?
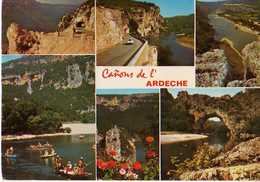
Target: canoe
(10, 156)
(49, 155)
(74, 177)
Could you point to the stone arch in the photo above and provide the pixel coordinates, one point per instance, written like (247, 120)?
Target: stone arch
(201, 116)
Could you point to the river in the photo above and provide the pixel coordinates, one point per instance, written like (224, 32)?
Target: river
(185, 150)
(226, 28)
(178, 54)
(29, 166)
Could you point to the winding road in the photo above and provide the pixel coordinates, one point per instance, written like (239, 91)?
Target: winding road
(120, 54)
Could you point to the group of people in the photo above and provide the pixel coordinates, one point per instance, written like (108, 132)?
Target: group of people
(79, 169)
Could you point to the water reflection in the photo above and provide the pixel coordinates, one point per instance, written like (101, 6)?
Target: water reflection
(30, 166)
(225, 28)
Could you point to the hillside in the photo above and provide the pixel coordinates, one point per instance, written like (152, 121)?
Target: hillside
(180, 24)
(64, 84)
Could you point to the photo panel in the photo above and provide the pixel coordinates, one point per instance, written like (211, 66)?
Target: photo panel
(145, 33)
(128, 134)
(48, 117)
(48, 27)
(210, 134)
(228, 43)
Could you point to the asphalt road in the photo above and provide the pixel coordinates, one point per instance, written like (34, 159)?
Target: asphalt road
(120, 54)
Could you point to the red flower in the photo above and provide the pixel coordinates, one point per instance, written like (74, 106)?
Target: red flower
(112, 152)
(149, 139)
(150, 154)
(101, 164)
(111, 164)
(137, 165)
(124, 166)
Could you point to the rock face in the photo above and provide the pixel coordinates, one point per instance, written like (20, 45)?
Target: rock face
(74, 76)
(112, 27)
(113, 143)
(240, 163)
(65, 41)
(245, 152)
(212, 69)
(251, 54)
(148, 20)
(117, 145)
(241, 172)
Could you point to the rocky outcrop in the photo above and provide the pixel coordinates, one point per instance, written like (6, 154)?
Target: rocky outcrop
(112, 27)
(67, 40)
(240, 172)
(74, 76)
(212, 69)
(148, 21)
(115, 144)
(245, 152)
(240, 163)
(251, 54)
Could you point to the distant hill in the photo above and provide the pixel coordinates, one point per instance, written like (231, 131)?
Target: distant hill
(180, 24)
(138, 113)
(32, 15)
(64, 84)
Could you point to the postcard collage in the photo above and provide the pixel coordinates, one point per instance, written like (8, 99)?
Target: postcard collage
(65, 115)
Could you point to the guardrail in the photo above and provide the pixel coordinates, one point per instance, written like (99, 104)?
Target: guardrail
(137, 55)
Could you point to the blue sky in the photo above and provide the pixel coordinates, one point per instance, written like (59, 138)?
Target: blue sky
(125, 91)
(7, 58)
(215, 92)
(174, 7)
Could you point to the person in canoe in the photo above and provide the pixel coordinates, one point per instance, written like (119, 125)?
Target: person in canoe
(9, 151)
(69, 169)
(59, 166)
(81, 167)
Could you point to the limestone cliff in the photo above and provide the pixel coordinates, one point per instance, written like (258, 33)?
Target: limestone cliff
(112, 27)
(75, 34)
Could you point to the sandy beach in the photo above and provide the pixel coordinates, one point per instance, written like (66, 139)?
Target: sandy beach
(172, 137)
(76, 129)
(186, 41)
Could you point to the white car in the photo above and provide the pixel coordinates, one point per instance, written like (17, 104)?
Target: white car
(130, 41)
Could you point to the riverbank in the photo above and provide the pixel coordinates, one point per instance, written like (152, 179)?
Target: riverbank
(76, 129)
(242, 27)
(174, 137)
(185, 41)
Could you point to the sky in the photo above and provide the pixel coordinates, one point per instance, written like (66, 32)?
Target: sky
(61, 1)
(125, 91)
(7, 58)
(174, 7)
(214, 92)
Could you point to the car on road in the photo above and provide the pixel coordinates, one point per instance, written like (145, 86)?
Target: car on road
(130, 41)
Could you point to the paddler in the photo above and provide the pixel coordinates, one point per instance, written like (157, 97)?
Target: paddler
(9, 151)
(69, 169)
(81, 166)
